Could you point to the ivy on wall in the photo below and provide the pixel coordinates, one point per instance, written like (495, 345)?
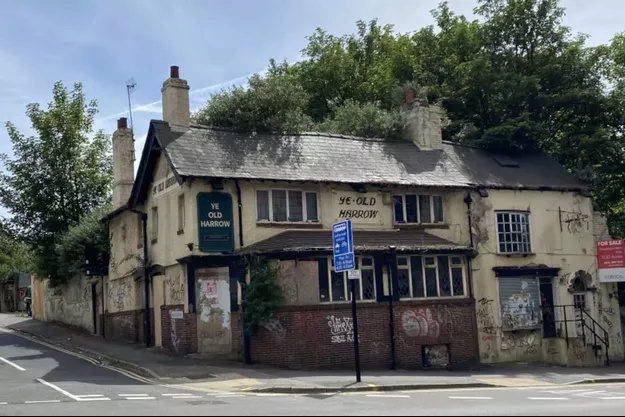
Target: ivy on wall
(263, 295)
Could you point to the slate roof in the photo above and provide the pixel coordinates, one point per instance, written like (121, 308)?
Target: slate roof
(321, 241)
(204, 152)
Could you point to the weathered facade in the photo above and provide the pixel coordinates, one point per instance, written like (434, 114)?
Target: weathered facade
(464, 255)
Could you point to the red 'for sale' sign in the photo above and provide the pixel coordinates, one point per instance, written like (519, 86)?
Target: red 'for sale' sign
(611, 260)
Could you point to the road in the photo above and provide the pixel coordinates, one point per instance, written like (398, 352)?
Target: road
(36, 379)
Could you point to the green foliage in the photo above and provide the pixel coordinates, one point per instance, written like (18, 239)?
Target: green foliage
(368, 120)
(56, 177)
(90, 235)
(15, 256)
(263, 295)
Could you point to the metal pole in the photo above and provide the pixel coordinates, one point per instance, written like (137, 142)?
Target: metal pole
(391, 317)
(355, 319)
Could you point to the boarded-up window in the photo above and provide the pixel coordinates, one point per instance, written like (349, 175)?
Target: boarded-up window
(519, 298)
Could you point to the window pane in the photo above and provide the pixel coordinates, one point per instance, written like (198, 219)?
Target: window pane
(403, 281)
(430, 282)
(349, 288)
(398, 206)
(457, 281)
(424, 209)
(367, 261)
(311, 207)
(278, 200)
(368, 284)
(338, 286)
(443, 276)
(324, 290)
(417, 276)
(438, 208)
(402, 261)
(262, 205)
(295, 206)
(411, 208)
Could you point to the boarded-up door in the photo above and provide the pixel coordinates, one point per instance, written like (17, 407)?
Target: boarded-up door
(213, 310)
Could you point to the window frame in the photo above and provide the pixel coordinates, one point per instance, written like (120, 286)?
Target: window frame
(182, 215)
(450, 267)
(418, 196)
(305, 193)
(346, 285)
(529, 232)
(154, 224)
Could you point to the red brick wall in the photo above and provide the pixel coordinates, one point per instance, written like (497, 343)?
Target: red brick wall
(180, 338)
(318, 336)
(127, 325)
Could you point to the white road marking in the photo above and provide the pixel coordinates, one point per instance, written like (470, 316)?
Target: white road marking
(61, 390)
(3, 403)
(175, 395)
(612, 398)
(95, 399)
(564, 391)
(42, 401)
(90, 396)
(585, 394)
(186, 397)
(229, 396)
(270, 394)
(133, 395)
(140, 398)
(549, 398)
(8, 362)
(470, 398)
(388, 396)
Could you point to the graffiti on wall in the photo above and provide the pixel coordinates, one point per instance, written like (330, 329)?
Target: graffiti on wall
(436, 356)
(527, 342)
(275, 329)
(341, 329)
(176, 289)
(420, 323)
(175, 340)
(485, 321)
(519, 311)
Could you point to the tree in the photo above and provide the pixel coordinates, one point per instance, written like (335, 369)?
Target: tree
(15, 256)
(56, 176)
(516, 79)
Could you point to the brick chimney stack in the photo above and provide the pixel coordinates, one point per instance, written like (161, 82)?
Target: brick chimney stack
(123, 163)
(422, 122)
(175, 91)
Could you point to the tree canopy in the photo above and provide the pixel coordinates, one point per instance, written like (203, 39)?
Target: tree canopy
(514, 79)
(57, 176)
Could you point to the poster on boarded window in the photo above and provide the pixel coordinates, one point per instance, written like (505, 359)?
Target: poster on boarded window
(611, 260)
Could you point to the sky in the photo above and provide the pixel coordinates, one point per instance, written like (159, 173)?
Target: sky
(104, 43)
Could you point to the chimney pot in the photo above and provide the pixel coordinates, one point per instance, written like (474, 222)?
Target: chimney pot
(122, 123)
(409, 95)
(174, 72)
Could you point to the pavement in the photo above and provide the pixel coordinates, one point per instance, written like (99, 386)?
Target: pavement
(199, 374)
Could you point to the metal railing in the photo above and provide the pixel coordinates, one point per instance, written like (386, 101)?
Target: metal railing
(565, 314)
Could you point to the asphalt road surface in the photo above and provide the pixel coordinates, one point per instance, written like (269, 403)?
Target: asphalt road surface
(36, 379)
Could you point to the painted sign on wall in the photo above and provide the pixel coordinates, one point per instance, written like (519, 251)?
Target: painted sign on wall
(215, 226)
(611, 260)
(359, 207)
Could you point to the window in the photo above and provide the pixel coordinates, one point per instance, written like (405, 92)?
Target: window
(339, 287)
(154, 224)
(139, 232)
(413, 208)
(513, 231)
(430, 276)
(286, 205)
(181, 214)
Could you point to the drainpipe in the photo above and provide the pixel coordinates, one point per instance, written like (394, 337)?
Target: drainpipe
(147, 328)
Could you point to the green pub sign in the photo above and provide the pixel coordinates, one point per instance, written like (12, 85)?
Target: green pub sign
(214, 215)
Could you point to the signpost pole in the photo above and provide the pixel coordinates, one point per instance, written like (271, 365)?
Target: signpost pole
(355, 319)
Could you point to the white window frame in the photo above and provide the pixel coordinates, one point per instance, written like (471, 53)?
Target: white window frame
(450, 264)
(347, 285)
(430, 196)
(182, 215)
(529, 231)
(287, 190)
(155, 225)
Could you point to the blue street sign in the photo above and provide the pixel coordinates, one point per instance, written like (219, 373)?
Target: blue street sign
(343, 246)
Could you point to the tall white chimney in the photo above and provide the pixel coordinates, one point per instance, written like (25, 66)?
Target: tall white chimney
(176, 110)
(123, 163)
(422, 122)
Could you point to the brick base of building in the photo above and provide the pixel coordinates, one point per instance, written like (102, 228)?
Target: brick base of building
(426, 334)
(179, 336)
(127, 325)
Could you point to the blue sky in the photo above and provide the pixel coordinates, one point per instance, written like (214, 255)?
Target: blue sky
(104, 43)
